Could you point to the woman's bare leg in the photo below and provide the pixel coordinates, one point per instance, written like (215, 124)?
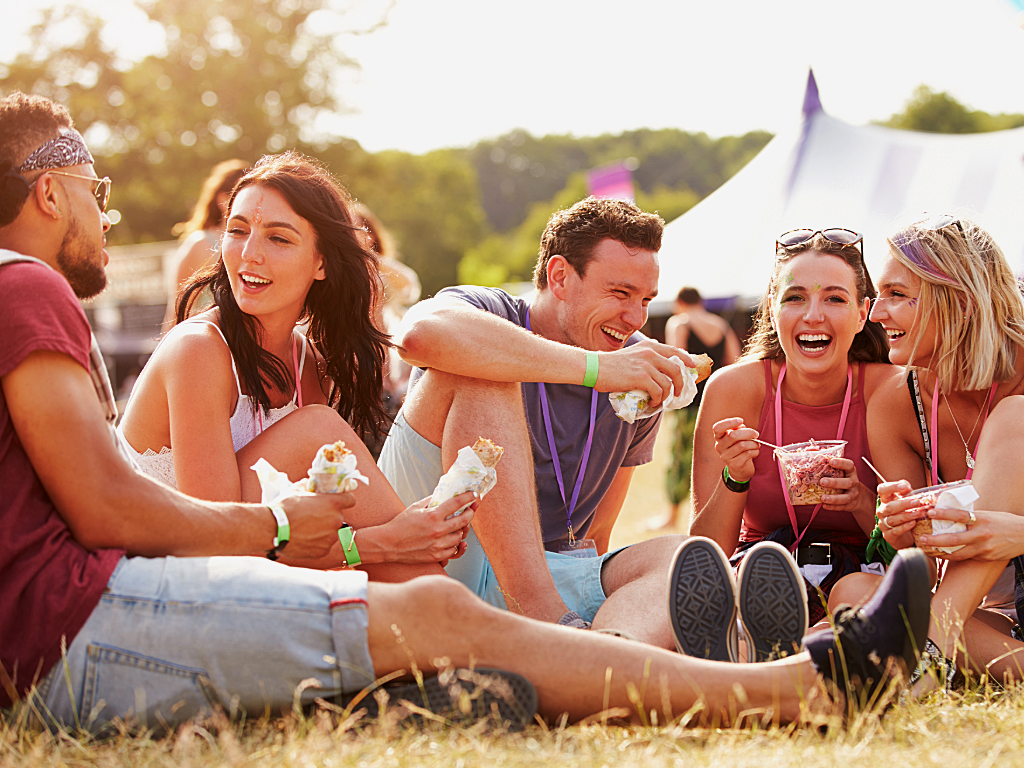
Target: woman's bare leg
(999, 480)
(989, 649)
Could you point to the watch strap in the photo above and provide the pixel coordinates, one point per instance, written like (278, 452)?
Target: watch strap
(734, 485)
(347, 537)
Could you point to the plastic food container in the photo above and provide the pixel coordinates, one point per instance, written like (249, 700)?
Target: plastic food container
(926, 499)
(804, 464)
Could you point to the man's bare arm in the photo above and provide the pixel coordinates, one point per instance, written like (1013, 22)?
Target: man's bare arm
(107, 504)
(453, 336)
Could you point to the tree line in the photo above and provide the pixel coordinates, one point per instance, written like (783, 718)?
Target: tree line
(239, 78)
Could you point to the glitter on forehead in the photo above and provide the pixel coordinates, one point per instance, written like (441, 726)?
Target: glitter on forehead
(816, 287)
(790, 277)
(65, 151)
(257, 215)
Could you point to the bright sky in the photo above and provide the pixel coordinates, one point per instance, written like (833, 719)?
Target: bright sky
(452, 72)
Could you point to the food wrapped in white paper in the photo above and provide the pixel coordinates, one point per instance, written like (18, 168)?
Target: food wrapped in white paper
(632, 405)
(961, 496)
(275, 485)
(473, 470)
(334, 470)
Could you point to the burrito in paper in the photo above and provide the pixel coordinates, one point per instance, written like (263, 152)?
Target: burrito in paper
(632, 405)
(334, 470)
(473, 470)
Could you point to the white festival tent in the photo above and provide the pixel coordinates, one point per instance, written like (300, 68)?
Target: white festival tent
(827, 173)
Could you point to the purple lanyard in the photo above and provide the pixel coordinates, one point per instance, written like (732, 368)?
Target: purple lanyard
(571, 506)
(778, 440)
(935, 430)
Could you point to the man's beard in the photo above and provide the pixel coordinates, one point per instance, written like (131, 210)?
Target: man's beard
(86, 277)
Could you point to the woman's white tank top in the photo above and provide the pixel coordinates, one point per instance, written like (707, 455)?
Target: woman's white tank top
(245, 423)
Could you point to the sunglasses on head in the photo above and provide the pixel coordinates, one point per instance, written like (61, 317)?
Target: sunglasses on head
(935, 222)
(835, 235)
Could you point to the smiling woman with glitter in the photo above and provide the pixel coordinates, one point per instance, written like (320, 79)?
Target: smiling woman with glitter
(954, 314)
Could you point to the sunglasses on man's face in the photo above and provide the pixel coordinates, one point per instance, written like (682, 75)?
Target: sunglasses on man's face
(101, 190)
(835, 235)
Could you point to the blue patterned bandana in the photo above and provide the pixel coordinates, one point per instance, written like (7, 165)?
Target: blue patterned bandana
(66, 150)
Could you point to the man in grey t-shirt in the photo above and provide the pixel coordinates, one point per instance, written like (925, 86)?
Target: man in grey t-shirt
(483, 353)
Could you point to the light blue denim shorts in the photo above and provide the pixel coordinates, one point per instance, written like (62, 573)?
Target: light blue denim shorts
(174, 638)
(412, 464)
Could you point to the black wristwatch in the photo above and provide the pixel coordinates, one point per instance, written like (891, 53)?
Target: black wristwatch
(734, 485)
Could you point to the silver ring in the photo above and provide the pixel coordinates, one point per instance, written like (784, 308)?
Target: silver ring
(885, 521)
(973, 519)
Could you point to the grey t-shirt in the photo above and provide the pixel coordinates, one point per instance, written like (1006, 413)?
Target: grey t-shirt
(616, 444)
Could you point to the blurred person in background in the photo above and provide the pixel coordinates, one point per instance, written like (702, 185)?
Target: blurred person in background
(401, 290)
(699, 332)
(201, 234)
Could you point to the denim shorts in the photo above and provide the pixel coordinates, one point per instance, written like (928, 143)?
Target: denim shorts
(174, 638)
(412, 464)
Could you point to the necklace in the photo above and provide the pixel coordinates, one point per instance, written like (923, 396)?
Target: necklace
(967, 447)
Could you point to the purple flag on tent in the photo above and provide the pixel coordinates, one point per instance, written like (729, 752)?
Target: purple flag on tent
(612, 182)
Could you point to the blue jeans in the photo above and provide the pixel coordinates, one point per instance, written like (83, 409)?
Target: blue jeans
(173, 638)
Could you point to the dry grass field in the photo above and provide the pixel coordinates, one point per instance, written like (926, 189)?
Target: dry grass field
(981, 727)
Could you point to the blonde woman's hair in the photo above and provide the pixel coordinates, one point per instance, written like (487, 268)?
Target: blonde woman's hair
(976, 300)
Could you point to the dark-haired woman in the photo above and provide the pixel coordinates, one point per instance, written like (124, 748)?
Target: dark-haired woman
(240, 382)
(810, 368)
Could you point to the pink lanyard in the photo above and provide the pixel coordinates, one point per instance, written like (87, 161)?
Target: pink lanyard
(571, 505)
(778, 441)
(298, 384)
(935, 430)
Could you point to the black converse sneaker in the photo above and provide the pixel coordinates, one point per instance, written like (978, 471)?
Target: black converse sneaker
(772, 601)
(702, 601)
(503, 698)
(870, 644)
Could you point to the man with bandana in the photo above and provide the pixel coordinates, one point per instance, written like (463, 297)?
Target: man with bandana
(123, 598)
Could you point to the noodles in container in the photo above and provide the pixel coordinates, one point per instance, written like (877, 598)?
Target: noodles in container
(632, 405)
(803, 466)
(958, 495)
(473, 470)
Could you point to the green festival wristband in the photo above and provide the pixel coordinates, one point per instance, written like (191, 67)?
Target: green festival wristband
(590, 379)
(347, 536)
(283, 530)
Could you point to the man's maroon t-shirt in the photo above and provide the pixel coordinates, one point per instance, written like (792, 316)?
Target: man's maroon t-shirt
(49, 583)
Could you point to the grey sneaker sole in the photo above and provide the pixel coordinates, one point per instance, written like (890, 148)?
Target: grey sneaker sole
(462, 695)
(702, 601)
(773, 602)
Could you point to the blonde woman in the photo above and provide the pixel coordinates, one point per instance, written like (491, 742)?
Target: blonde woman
(954, 314)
